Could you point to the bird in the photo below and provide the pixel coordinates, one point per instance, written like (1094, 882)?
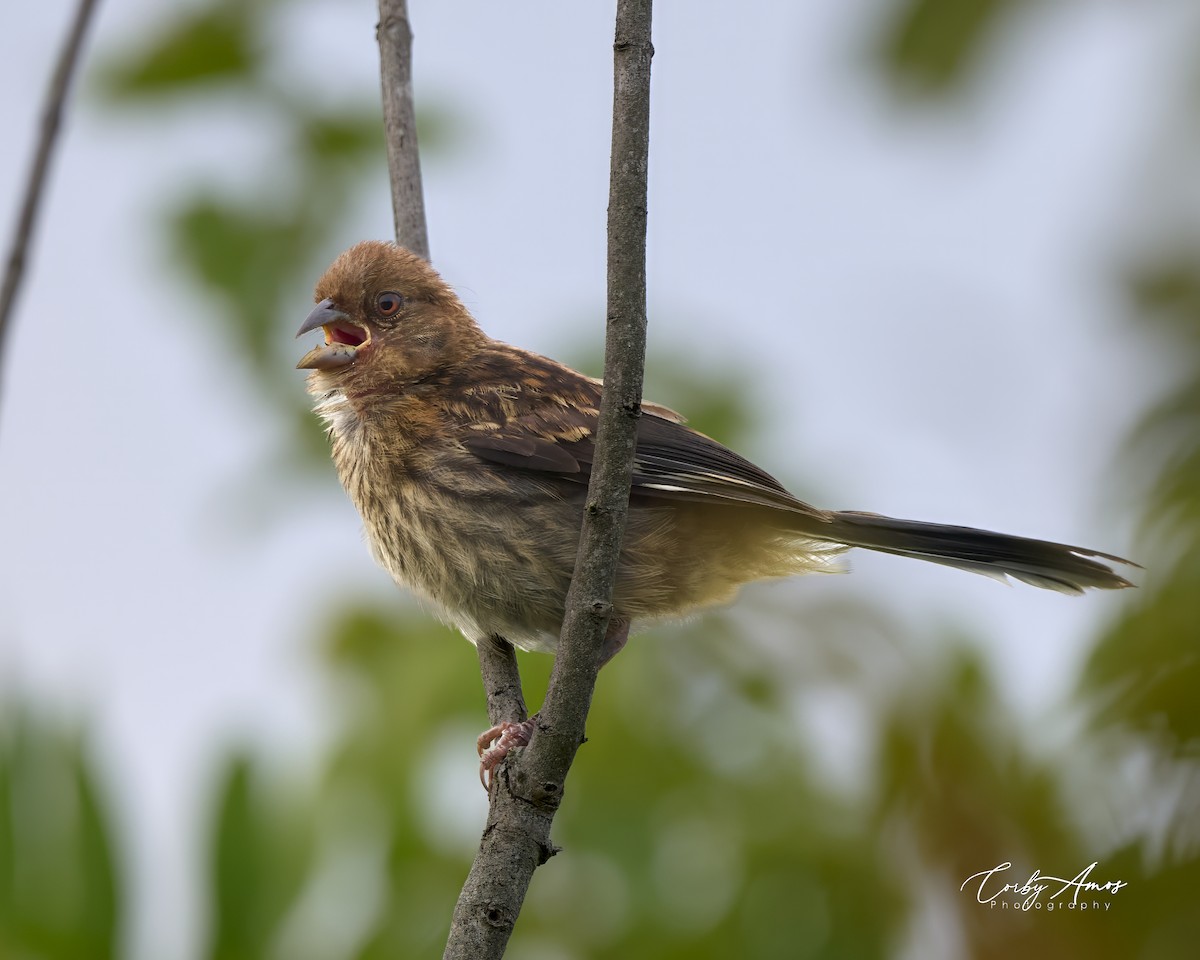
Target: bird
(468, 460)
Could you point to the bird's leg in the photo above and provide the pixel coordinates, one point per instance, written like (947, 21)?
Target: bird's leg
(615, 638)
(495, 743)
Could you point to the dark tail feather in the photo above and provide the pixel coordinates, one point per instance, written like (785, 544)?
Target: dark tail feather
(1054, 566)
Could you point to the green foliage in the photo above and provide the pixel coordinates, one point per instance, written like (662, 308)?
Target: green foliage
(246, 255)
(217, 44)
(261, 849)
(949, 742)
(61, 896)
(1146, 669)
(930, 46)
(666, 854)
(717, 855)
(1166, 296)
(345, 140)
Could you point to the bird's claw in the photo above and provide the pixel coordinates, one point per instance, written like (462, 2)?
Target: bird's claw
(495, 743)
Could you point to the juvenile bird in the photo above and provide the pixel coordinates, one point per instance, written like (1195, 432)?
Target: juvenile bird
(469, 459)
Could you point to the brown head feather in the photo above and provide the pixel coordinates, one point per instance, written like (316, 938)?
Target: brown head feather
(431, 331)
(373, 266)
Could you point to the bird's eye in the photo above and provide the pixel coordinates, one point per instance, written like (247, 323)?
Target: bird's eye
(388, 304)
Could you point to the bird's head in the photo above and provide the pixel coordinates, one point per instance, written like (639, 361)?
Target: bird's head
(388, 318)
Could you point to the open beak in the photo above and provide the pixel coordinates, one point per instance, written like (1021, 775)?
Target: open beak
(343, 338)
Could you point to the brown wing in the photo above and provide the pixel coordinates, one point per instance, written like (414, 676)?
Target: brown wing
(543, 419)
(549, 425)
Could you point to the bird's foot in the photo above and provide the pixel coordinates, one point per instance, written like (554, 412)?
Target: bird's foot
(495, 743)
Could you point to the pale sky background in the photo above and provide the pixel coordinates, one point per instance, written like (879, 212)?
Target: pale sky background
(921, 297)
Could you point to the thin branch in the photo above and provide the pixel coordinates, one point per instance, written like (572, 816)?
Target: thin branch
(400, 125)
(501, 680)
(52, 111)
(516, 839)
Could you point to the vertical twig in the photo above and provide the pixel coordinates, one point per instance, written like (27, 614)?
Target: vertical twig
(497, 663)
(52, 110)
(589, 599)
(501, 680)
(400, 125)
(516, 839)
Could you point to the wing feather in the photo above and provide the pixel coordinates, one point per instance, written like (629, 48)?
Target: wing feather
(537, 431)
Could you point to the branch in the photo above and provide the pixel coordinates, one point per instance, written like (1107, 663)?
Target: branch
(516, 839)
(497, 663)
(501, 680)
(497, 660)
(52, 110)
(400, 125)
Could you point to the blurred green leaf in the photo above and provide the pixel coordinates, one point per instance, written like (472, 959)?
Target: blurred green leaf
(246, 255)
(214, 44)
(1166, 290)
(60, 890)
(260, 859)
(1146, 670)
(949, 743)
(346, 135)
(102, 910)
(930, 46)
